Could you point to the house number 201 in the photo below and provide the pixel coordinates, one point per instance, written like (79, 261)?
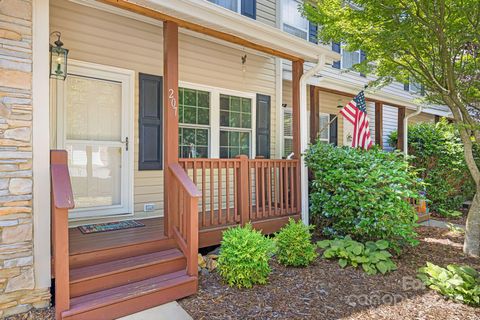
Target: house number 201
(173, 101)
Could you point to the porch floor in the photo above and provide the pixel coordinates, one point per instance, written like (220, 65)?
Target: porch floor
(82, 243)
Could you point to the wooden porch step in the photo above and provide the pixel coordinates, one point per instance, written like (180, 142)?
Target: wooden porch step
(130, 298)
(97, 277)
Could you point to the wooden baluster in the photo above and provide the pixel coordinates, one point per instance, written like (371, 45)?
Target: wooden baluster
(227, 189)
(242, 189)
(220, 202)
(275, 187)
(212, 194)
(269, 187)
(204, 191)
(257, 197)
(192, 237)
(250, 190)
(262, 179)
(282, 187)
(235, 192)
(292, 188)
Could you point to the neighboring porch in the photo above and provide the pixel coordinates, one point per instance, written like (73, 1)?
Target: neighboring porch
(111, 274)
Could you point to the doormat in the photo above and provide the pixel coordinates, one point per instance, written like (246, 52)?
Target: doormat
(111, 226)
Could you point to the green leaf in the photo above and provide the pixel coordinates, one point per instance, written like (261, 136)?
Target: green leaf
(382, 244)
(343, 263)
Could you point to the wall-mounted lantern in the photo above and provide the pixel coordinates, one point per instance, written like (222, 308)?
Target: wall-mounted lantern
(58, 58)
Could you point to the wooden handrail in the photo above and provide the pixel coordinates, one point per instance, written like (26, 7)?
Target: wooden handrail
(188, 184)
(183, 210)
(61, 202)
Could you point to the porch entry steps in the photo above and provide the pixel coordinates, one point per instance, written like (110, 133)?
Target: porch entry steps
(132, 297)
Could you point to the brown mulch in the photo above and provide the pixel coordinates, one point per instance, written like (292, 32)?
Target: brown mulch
(43, 314)
(325, 291)
(460, 220)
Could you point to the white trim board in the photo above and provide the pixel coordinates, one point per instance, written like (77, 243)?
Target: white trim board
(41, 143)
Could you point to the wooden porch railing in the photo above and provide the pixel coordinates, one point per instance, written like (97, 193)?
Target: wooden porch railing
(235, 191)
(183, 210)
(62, 201)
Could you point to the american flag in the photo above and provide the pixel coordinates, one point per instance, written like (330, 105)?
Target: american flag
(355, 112)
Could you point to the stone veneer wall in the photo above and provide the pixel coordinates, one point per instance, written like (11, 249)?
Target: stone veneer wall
(17, 284)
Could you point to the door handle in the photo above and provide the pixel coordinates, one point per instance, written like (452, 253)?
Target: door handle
(126, 143)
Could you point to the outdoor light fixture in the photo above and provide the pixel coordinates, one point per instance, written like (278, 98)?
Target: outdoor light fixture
(58, 58)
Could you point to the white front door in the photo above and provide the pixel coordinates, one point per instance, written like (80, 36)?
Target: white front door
(94, 126)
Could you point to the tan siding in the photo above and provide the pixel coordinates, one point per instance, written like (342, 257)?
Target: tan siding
(266, 12)
(104, 38)
(422, 117)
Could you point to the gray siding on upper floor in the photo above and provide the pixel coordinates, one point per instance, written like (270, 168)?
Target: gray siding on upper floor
(390, 123)
(266, 12)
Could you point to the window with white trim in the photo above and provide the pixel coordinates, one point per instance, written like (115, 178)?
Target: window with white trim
(292, 20)
(233, 5)
(194, 123)
(324, 128)
(287, 132)
(214, 122)
(235, 126)
(415, 87)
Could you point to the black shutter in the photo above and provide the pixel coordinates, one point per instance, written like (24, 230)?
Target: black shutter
(363, 57)
(263, 126)
(336, 48)
(422, 90)
(334, 130)
(312, 32)
(249, 8)
(150, 122)
(406, 86)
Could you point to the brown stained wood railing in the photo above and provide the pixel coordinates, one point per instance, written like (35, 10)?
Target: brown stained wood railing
(235, 191)
(61, 202)
(217, 180)
(183, 210)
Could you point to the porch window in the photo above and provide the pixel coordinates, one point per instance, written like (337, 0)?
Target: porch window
(292, 20)
(194, 119)
(287, 132)
(235, 126)
(324, 134)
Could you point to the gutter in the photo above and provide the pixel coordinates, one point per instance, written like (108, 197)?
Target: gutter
(405, 128)
(304, 134)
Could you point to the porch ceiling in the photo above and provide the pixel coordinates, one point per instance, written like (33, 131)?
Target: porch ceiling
(205, 17)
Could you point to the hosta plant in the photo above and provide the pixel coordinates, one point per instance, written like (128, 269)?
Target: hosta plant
(294, 245)
(373, 257)
(460, 283)
(244, 257)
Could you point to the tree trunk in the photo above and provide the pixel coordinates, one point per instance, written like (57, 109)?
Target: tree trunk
(471, 246)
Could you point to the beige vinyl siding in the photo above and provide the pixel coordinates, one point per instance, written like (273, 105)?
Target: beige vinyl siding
(104, 38)
(266, 12)
(422, 117)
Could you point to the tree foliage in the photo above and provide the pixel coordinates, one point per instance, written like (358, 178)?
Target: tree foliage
(435, 42)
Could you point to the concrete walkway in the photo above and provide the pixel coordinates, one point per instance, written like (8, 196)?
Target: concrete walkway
(440, 224)
(168, 311)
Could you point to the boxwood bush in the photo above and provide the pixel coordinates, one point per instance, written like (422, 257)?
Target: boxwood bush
(438, 151)
(244, 257)
(362, 194)
(294, 245)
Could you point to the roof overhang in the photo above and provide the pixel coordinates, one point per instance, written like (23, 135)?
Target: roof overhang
(207, 18)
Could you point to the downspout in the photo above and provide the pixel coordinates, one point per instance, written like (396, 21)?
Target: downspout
(405, 128)
(304, 134)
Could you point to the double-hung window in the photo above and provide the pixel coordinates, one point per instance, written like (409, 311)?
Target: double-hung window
(324, 128)
(292, 20)
(350, 58)
(215, 123)
(287, 132)
(235, 126)
(233, 5)
(194, 127)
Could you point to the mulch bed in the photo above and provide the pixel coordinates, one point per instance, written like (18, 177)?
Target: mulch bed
(325, 291)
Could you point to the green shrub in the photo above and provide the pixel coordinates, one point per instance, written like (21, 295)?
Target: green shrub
(244, 257)
(372, 256)
(362, 194)
(460, 283)
(294, 245)
(437, 151)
